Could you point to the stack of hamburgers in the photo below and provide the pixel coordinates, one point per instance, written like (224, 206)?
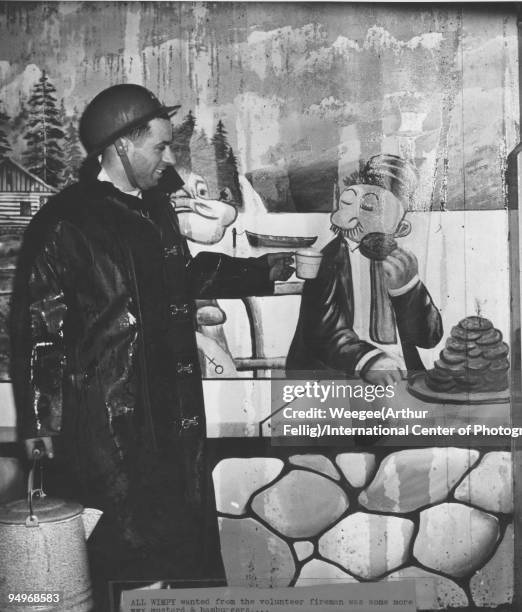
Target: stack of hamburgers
(474, 360)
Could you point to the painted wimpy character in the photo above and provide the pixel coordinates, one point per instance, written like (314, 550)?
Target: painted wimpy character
(371, 216)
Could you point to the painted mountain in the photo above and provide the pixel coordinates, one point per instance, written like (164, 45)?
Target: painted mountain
(293, 95)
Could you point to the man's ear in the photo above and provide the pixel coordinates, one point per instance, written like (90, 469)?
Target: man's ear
(122, 146)
(403, 229)
(126, 144)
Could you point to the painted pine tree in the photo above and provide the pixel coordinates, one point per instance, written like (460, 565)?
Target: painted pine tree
(72, 151)
(5, 145)
(234, 186)
(44, 134)
(226, 164)
(203, 160)
(182, 135)
(62, 114)
(220, 142)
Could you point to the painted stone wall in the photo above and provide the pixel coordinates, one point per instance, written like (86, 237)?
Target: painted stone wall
(443, 516)
(440, 515)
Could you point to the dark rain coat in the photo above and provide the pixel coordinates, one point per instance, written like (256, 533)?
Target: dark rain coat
(104, 358)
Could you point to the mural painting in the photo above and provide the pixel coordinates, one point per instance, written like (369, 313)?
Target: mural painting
(370, 142)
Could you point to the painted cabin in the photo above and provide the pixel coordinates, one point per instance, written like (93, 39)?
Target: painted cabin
(22, 194)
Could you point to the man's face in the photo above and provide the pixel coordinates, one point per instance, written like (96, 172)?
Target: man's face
(150, 154)
(367, 209)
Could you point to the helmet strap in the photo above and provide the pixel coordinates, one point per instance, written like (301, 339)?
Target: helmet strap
(120, 149)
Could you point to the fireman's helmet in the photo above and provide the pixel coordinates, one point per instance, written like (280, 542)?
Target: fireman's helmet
(117, 110)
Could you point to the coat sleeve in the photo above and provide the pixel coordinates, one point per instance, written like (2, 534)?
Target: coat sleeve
(215, 275)
(38, 311)
(418, 319)
(325, 331)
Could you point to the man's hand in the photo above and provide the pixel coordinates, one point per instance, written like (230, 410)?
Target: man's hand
(280, 265)
(383, 371)
(399, 268)
(43, 445)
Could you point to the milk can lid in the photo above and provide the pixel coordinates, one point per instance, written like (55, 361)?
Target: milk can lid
(46, 509)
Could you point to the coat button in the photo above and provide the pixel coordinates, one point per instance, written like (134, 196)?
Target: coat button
(172, 251)
(185, 368)
(188, 422)
(178, 311)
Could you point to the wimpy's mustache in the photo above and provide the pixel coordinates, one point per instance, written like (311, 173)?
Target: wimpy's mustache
(353, 233)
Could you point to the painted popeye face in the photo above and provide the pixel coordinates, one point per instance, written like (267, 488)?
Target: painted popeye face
(201, 219)
(368, 209)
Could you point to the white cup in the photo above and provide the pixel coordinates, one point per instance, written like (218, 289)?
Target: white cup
(307, 263)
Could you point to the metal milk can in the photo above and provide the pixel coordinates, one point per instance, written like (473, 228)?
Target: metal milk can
(43, 550)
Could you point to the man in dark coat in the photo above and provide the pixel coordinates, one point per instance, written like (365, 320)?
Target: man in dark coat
(370, 216)
(104, 357)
